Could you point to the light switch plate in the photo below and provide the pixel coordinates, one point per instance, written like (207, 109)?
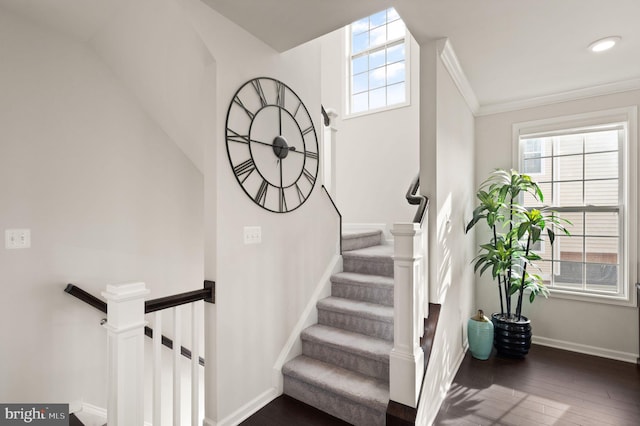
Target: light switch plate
(17, 238)
(252, 234)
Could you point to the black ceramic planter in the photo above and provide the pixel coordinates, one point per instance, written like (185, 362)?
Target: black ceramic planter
(511, 338)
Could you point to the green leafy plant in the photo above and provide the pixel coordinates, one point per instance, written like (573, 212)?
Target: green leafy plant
(514, 231)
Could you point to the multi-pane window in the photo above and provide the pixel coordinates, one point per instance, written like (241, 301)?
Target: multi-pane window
(531, 153)
(377, 63)
(581, 172)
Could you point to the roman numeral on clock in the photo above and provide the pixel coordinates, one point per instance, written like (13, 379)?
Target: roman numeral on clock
(280, 89)
(283, 201)
(311, 178)
(238, 102)
(312, 155)
(261, 195)
(300, 194)
(244, 169)
(237, 137)
(258, 87)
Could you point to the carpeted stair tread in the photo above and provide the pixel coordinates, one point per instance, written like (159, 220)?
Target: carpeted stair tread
(347, 384)
(364, 287)
(357, 233)
(349, 341)
(356, 239)
(366, 310)
(381, 252)
(375, 260)
(355, 278)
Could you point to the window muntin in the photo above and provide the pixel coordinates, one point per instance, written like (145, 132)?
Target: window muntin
(580, 171)
(377, 62)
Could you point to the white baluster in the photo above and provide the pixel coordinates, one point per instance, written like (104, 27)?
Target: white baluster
(195, 365)
(157, 369)
(177, 342)
(125, 331)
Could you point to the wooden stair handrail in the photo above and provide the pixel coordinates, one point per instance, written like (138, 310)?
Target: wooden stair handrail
(416, 199)
(207, 294)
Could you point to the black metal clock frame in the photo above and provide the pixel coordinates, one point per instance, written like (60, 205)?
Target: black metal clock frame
(251, 101)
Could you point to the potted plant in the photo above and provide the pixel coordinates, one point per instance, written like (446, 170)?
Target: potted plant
(513, 232)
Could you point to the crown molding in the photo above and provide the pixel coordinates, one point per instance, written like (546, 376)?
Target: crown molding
(452, 65)
(571, 95)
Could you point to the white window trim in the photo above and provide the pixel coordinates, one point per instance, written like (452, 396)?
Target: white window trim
(347, 77)
(629, 176)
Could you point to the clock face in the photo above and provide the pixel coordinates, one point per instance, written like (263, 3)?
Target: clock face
(272, 145)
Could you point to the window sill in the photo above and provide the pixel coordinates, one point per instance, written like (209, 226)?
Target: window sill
(626, 301)
(376, 111)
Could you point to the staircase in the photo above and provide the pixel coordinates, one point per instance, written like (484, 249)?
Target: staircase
(344, 366)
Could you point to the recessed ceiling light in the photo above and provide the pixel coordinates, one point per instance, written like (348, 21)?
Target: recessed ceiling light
(604, 44)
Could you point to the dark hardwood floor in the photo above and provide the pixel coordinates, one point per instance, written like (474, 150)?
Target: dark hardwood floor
(286, 411)
(549, 387)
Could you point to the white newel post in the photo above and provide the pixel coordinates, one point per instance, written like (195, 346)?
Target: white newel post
(406, 362)
(125, 330)
(329, 153)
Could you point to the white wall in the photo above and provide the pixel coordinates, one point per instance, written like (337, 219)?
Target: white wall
(606, 330)
(377, 155)
(447, 164)
(108, 196)
(153, 48)
(261, 289)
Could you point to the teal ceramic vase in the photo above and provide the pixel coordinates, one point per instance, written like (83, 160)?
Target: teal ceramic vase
(480, 335)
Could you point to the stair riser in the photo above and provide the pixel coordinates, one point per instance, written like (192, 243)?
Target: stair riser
(382, 296)
(361, 242)
(367, 326)
(333, 404)
(368, 266)
(378, 369)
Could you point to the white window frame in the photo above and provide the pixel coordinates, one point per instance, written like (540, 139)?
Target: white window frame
(628, 116)
(347, 73)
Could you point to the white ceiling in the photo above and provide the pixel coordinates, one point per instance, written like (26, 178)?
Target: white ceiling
(510, 50)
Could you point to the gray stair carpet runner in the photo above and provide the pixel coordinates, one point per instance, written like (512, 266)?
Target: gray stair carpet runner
(344, 366)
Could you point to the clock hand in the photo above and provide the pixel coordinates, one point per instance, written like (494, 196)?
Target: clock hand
(261, 143)
(290, 148)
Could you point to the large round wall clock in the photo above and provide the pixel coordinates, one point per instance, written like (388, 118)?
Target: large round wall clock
(272, 145)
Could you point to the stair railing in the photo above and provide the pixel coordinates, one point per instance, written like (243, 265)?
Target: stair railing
(126, 326)
(406, 361)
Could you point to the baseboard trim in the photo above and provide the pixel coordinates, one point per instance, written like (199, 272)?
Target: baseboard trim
(585, 349)
(96, 411)
(246, 410)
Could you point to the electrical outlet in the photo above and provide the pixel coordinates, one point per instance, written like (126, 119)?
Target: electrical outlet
(17, 238)
(252, 234)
